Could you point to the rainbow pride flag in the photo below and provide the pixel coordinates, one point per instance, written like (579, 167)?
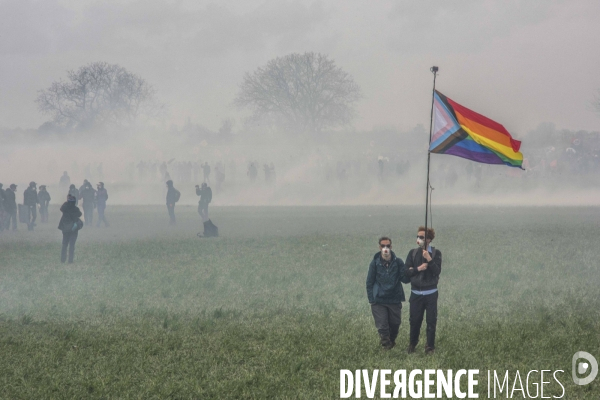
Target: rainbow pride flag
(464, 133)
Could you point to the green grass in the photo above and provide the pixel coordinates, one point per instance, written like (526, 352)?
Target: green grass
(276, 306)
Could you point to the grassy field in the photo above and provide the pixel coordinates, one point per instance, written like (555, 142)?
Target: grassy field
(276, 306)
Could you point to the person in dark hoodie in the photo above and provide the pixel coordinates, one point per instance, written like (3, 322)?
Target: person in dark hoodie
(385, 293)
(69, 224)
(30, 201)
(424, 266)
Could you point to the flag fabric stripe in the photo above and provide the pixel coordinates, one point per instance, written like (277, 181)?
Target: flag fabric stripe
(464, 133)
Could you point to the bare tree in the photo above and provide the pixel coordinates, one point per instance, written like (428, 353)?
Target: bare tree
(98, 94)
(305, 92)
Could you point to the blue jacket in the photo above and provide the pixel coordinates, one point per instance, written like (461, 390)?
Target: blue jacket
(384, 285)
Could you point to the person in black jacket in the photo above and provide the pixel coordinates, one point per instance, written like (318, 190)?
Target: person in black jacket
(69, 226)
(205, 194)
(172, 198)
(74, 192)
(423, 267)
(385, 293)
(30, 201)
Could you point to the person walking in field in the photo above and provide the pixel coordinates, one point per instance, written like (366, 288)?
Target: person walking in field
(173, 196)
(69, 224)
(44, 200)
(205, 194)
(424, 266)
(101, 197)
(385, 293)
(30, 201)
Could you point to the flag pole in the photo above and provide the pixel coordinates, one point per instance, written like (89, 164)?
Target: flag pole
(433, 69)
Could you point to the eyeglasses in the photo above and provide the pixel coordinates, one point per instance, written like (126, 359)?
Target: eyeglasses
(383, 246)
(421, 237)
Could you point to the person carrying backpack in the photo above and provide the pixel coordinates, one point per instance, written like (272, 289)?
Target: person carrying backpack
(70, 224)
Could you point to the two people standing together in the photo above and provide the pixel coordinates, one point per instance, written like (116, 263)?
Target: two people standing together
(385, 293)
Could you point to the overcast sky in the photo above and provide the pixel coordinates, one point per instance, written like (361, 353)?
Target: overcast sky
(518, 62)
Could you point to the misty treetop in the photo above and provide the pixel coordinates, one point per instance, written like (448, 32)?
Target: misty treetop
(302, 92)
(98, 94)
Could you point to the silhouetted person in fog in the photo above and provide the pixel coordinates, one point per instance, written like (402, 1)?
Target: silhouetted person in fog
(64, 182)
(88, 195)
(205, 194)
(10, 206)
(74, 192)
(69, 225)
(252, 172)
(173, 196)
(3, 213)
(43, 200)
(30, 201)
(206, 171)
(101, 197)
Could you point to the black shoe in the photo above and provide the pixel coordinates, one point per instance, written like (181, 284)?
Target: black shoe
(410, 349)
(429, 350)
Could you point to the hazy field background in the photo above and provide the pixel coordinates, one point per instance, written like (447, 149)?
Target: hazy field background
(276, 306)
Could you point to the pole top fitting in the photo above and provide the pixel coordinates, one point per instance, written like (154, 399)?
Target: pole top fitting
(434, 69)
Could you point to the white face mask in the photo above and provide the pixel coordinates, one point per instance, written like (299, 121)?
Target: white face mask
(386, 252)
(420, 242)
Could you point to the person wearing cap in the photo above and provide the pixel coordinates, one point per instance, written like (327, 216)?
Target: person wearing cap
(173, 196)
(43, 200)
(10, 206)
(101, 197)
(69, 225)
(30, 201)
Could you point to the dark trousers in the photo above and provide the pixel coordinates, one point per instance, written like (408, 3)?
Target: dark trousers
(387, 320)
(171, 209)
(88, 213)
(12, 216)
(69, 239)
(101, 217)
(31, 217)
(420, 306)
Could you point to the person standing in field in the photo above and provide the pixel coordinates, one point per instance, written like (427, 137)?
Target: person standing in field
(10, 206)
(385, 293)
(205, 194)
(44, 201)
(206, 172)
(173, 196)
(101, 197)
(30, 201)
(88, 196)
(424, 266)
(64, 182)
(69, 224)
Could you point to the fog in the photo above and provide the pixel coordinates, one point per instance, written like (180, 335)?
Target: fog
(525, 64)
